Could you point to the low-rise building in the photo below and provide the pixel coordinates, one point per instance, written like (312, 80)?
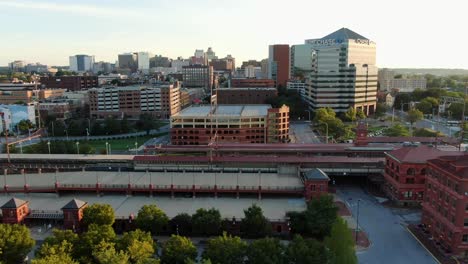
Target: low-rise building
(160, 100)
(247, 82)
(201, 125)
(59, 109)
(71, 83)
(245, 95)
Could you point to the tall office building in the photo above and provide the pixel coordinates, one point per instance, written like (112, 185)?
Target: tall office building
(81, 63)
(128, 61)
(278, 64)
(301, 58)
(210, 55)
(143, 60)
(198, 76)
(345, 72)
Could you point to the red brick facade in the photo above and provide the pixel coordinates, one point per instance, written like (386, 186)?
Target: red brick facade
(245, 95)
(72, 83)
(14, 211)
(445, 206)
(245, 83)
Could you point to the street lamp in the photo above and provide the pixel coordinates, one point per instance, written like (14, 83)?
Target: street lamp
(21, 147)
(136, 148)
(87, 134)
(48, 145)
(66, 133)
(308, 111)
(357, 220)
(77, 147)
(107, 148)
(326, 124)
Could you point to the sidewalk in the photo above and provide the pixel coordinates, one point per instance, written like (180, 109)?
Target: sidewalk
(363, 241)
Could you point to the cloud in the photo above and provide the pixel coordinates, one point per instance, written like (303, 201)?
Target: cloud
(88, 10)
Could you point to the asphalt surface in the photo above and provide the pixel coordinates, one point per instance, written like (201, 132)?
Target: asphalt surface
(437, 124)
(391, 243)
(301, 132)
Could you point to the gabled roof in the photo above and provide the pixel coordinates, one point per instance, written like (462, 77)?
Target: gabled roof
(316, 174)
(344, 34)
(418, 154)
(13, 203)
(74, 204)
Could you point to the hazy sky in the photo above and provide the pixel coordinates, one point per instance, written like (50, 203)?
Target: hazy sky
(408, 33)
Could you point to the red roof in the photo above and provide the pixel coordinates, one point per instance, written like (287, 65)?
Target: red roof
(418, 154)
(457, 165)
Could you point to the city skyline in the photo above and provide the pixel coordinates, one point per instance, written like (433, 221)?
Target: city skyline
(244, 30)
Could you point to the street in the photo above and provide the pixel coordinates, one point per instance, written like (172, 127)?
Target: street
(438, 124)
(301, 132)
(391, 243)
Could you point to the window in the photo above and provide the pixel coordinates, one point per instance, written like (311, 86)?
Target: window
(410, 171)
(465, 238)
(465, 223)
(423, 171)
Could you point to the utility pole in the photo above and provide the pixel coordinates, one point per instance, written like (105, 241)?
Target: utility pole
(463, 118)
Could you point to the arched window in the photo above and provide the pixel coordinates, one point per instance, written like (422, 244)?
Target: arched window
(410, 171)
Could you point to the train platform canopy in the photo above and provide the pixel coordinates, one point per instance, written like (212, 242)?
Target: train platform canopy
(273, 208)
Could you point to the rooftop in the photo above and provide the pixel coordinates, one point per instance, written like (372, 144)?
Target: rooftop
(225, 110)
(74, 204)
(316, 174)
(13, 203)
(417, 154)
(344, 34)
(457, 165)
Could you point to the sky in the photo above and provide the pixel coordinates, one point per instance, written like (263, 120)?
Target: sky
(408, 33)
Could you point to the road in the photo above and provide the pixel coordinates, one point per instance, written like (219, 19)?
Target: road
(301, 132)
(391, 243)
(438, 124)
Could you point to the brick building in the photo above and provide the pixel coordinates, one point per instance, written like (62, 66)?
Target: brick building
(73, 214)
(197, 76)
(245, 95)
(405, 172)
(71, 83)
(14, 211)
(160, 100)
(279, 64)
(247, 82)
(315, 183)
(198, 125)
(445, 206)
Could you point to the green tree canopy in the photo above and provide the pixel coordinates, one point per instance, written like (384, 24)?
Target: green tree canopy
(90, 240)
(99, 214)
(266, 251)
(397, 130)
(182, 224)
(138, 244)
(152, 219)
(323, 114)
(178, 250)
(341, 244)
(414, 115)
(360, 114)
(225, 250)
(207, 222)
(15, 243)
(350, 114)
(380, 109)
(255, 224)
(306, 251)
(61, 241)
(105, 253)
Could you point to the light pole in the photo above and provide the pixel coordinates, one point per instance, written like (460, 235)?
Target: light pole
(53, 128)
(326, 134)
(78, 147)
(357, 220)
(308, 111)
(136, 148)
(21, 147)
(87, 134)
(66, 133)
(48, 145)
(107, 148)
(89, 125)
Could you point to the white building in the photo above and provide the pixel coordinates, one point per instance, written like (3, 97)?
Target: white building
(144, 61)
(345, 72)
(388, 82)
(253, 72)
(17, 113)
(81, 63)
(179, 63)
(296, 86)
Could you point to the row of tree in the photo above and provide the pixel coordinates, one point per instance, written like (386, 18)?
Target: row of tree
(56, 147)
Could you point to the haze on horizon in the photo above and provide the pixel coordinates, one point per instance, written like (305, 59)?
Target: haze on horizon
(409, 34)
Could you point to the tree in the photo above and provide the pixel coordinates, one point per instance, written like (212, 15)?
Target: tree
(397, 130)
(323, 114)
(316, 221)
(138, 244)
(182, 224)
(380, 109)
(414, 115)
(105, 253)
(350, 115)
(360, 114)
(15, 243)
(24, 125)
(54, 259)
(255, 224)
(225, 250)
(341, 244)
(177, 250)
(266, 251)
(55, 253)
(152, 219)
(425, 107)
(306, 251)
(426, 132)
(61, 241)
(99, 214)
(207, 222)
(124, 128)
(90, 240)
(112, 126)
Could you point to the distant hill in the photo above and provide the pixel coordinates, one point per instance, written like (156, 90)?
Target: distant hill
(433, 71)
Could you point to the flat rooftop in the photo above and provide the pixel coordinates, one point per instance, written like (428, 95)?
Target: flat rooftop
(225, 111)
(273, 208)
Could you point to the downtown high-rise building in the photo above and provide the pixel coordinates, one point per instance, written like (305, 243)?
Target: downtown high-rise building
(81, 63)
(143, 61)
(279, 64)
(344, 72)
(128, 61)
